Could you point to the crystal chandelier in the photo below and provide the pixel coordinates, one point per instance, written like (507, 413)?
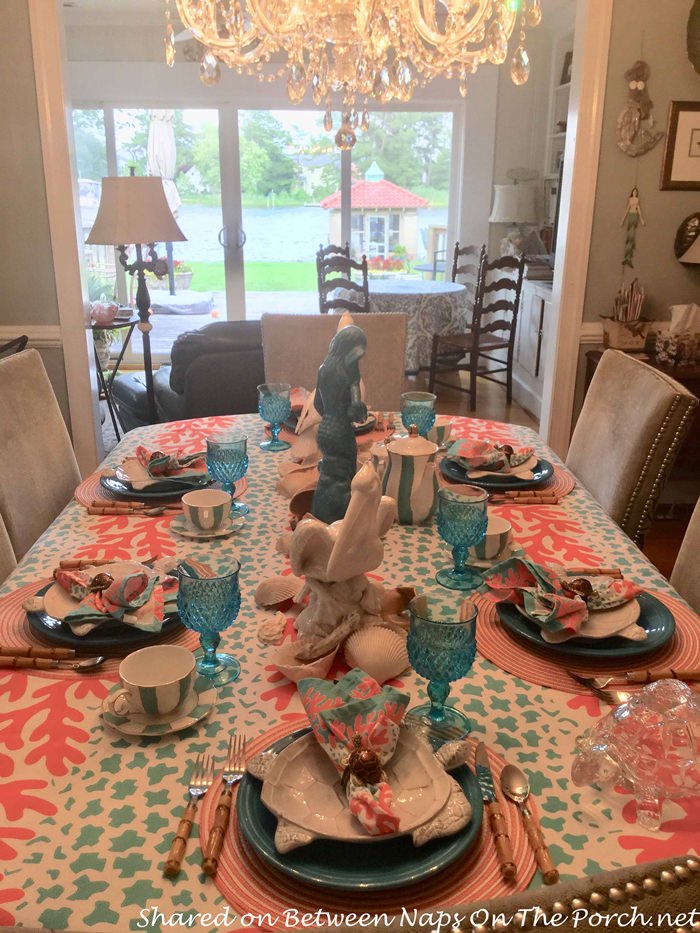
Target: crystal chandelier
(360, 49)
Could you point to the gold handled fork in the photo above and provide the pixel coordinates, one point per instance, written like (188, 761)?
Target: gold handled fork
(234, 769)
(201, 779)
(611, 697)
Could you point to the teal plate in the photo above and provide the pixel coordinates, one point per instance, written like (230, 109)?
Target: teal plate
(351, 866)
(110, 636)
(654, 617)
(167, 489)
(458, 474)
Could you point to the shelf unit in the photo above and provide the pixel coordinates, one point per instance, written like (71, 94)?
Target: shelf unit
(557, 117)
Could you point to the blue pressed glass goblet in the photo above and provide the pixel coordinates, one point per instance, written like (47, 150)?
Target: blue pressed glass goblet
(418, 408)
(227, 462)
(209, 605)
(461, 522)
(274, 406)
(441, 647)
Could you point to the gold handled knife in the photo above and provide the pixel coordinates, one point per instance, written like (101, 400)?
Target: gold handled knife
(497, 822)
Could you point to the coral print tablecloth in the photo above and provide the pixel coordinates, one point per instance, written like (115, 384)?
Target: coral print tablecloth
(87, 814)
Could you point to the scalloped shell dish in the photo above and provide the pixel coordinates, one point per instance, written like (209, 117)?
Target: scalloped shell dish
(302, 788)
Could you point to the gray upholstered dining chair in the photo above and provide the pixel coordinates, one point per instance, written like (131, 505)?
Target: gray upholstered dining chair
(627, 437)
(8, 561)
(295, 345)
(685, 576)
(38, 469)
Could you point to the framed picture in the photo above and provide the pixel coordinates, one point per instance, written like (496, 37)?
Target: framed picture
(566, 68)
(680, 170)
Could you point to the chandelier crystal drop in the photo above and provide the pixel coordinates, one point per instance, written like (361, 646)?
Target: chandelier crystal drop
(379, 49)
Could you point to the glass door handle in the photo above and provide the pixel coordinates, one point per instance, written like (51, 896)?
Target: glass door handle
(224, 240)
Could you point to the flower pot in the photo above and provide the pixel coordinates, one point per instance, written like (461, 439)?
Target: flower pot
(182, 282)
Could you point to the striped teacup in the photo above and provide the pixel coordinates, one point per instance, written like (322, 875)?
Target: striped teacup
(206, 509)
(496, 544)
(155, 681)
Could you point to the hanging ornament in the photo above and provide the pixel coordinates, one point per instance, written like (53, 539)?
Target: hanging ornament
(345, 138)
(633, 217)
(534, 13)
(636, 133)
(519, 66)
(364, 125)
(169, 38)
(328, 117)
(209, 70)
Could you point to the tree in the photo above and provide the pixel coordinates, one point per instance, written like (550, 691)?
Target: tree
(279, 173)
(412, 149)
(90, 147)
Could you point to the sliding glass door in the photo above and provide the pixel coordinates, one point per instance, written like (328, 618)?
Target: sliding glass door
(256, 192)
(288, 164)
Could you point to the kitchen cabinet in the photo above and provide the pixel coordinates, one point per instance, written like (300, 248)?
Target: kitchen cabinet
(530, 345)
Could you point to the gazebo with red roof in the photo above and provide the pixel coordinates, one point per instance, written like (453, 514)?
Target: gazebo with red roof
(384, 216)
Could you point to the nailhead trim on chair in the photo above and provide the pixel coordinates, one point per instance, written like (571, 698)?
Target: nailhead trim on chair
(599, 900)
(655, 489)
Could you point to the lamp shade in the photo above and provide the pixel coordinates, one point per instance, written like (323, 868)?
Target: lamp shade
(133, 209)
(513, 204)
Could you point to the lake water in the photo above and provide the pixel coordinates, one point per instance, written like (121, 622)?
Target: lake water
(291, 234)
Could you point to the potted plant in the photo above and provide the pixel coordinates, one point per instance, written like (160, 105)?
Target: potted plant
(182, 272)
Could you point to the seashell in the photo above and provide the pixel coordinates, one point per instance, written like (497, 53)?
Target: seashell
(286, 661)
(378, 651)
(271, 630)
(301, 502)
(396, 600)
(277, 590)
(297, 482)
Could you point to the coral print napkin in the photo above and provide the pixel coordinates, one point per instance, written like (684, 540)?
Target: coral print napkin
(546, 597)
(137, 599)
(149, 467)
(483, 455)
(357, 724)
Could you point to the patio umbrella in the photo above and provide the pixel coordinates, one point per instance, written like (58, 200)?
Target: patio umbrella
(161, 158)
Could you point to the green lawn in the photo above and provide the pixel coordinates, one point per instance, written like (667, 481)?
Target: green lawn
(259, 276)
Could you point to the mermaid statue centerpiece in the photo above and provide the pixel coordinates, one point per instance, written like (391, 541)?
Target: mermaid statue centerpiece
(339, 403)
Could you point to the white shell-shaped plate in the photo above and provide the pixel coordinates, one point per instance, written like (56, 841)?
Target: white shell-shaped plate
(58, 603)
(605, 623)
(303, 787)
(522, 470)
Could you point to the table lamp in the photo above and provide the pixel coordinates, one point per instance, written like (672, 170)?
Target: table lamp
(514, 205)
(133, 210)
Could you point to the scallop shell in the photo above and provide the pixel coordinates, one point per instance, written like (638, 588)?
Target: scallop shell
(277, 590)
(378, 651)
(285, 660)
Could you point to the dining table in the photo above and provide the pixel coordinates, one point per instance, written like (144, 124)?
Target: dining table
(430, 308)
(87, 813)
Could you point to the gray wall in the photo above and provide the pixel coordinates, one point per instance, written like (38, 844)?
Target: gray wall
(655, 32)
(27, 286)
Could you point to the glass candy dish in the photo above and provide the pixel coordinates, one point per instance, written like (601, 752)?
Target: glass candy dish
(649, 745)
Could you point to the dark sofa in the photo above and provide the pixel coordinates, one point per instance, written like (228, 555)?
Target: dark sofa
(213, 371)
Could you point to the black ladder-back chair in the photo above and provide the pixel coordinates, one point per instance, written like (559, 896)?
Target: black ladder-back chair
(467, 268)
(341, 272)
(16, 345)
(492, 331)
(324, 253)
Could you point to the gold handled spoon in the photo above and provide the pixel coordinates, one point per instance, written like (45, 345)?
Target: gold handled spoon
(516, 787)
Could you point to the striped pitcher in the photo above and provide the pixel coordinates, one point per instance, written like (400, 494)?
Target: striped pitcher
(410, 477)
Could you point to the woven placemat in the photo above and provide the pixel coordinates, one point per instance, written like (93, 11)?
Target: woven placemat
(252, 886)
